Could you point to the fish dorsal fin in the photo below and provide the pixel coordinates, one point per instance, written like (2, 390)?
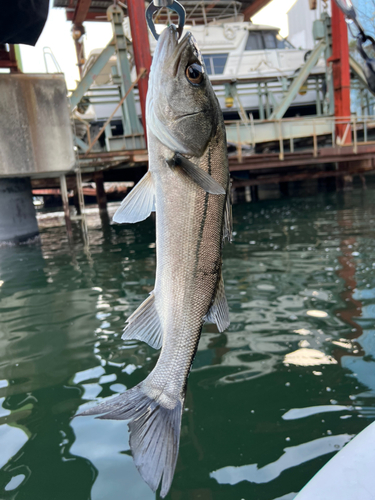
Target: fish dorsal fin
(228, 221)
(199, 176)
(144, 324)
(219, 312)
(139, 203)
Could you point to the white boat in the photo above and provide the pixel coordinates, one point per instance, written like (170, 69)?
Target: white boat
(349, 475)
(254, 56)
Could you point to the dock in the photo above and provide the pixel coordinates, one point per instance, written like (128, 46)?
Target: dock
(275, 140)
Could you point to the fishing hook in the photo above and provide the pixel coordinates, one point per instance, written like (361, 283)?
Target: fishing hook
(350, 14)
(156, 5)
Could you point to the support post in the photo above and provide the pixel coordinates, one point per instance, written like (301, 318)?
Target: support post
(254, 193)
(261, 106)
(65, 202)
(284, 188)
(78, 32)
(340, 71)
(141, 48)
(101, 197)
(81, 201)
(133, 130)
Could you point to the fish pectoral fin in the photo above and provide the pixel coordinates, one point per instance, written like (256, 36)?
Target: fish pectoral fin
(219, 311)
(144, 324)
(196, 174)
(139, 203)
(228, 221)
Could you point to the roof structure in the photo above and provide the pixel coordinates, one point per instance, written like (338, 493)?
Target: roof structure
(197, 12)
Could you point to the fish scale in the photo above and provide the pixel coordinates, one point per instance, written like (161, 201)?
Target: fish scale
(188, 186)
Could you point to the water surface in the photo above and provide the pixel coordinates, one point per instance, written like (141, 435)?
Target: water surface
(269, 401)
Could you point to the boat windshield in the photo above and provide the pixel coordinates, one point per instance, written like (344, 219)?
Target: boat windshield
(266, 40)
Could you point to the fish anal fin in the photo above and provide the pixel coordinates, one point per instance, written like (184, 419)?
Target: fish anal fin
(219, 311)
(196, 174)
(139, 203)
(144, 324)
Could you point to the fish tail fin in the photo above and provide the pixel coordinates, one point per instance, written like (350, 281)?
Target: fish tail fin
(154, 433)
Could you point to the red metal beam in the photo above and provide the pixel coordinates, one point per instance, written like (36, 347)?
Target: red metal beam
(141, 48)
(8, 58)
(254, 8)
(90, 16)
(81, 11)
(340, 69)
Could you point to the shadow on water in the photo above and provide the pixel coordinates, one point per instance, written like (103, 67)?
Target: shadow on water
(269, 401)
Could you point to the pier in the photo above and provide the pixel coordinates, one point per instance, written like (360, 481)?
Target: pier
(282, 125)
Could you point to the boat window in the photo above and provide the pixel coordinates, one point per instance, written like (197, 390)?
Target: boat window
(282, 43)
(269, 38)
(260, 40)
(254, 41)
(215, 63)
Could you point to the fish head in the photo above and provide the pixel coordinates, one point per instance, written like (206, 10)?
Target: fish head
(182, 109)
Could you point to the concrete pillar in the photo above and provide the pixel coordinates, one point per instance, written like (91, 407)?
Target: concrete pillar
(17, 212)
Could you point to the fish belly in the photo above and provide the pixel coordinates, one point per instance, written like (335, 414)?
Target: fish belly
(188, 241)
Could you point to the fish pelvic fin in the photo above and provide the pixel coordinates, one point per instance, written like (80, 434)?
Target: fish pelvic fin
(228, 220)
(196, 174)
(219, 311)
(139, 203)
(144, 324)
(154, 433)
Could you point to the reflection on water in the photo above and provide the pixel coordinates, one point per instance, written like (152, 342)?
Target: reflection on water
(269, 401)
(292, 457)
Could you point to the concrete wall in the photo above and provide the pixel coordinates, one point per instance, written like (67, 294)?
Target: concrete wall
(35, 130)
(17, 213)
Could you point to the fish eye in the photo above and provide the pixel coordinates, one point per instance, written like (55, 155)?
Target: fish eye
(194, 73)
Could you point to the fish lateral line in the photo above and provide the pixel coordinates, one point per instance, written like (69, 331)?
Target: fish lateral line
(196, 174)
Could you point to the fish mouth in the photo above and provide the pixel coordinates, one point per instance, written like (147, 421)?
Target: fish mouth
(179, 50)
(170, 48)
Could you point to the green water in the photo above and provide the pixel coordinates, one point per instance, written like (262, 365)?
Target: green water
(269, 401)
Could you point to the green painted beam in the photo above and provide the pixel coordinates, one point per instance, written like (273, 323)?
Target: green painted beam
(92, 73)
(80, 143)
(357, 69)
(298, 81)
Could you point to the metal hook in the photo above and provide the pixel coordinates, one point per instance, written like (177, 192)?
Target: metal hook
(156, 5)
(350, 14)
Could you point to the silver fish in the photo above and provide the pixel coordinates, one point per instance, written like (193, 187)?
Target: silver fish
(188, 187)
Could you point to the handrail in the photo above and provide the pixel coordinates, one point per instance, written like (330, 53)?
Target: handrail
(354, 124)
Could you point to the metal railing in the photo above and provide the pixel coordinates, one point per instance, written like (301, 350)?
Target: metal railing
(291, 133)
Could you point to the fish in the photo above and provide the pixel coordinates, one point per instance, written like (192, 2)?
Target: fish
(188, 186)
